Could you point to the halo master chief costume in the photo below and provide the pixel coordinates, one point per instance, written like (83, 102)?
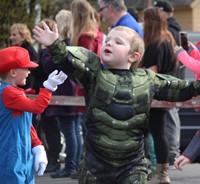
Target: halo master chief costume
(118, 103)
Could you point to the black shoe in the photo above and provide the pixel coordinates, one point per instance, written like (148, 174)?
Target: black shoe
(52, 167)
(63, 173)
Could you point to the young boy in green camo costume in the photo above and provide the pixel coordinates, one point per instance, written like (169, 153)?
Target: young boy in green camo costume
(118, 100)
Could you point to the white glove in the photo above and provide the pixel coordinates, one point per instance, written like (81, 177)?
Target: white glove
(40, 159)
(54, 80)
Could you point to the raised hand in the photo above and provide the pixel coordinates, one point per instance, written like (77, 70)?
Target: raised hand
(45, 36)
(54, 80)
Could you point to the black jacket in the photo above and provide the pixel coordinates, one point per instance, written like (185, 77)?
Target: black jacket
(174, 28)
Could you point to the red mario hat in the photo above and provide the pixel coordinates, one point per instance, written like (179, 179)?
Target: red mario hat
(15, 57)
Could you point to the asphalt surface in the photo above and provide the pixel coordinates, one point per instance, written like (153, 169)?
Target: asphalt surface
(189, 175)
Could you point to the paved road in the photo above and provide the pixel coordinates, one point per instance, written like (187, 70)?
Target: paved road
(189, 175)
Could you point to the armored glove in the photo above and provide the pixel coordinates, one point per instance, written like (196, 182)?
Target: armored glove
(40, 159)
(54, 80)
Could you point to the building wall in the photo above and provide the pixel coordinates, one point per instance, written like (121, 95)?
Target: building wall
(189, 17)
(185, 18)
(196, 16)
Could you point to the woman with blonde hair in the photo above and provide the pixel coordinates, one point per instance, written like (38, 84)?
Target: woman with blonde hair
(24, 32)
(64, 19)
(20, 35)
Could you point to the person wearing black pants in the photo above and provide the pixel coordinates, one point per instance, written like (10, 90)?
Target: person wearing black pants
(51, 129)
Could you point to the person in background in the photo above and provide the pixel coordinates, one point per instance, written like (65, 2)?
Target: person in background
(191, 152)
(172, 125)
(114, 12)
(158, 56)
(149, 143)
(48, 126)
(21, 150)
(62, 118)
(85, 32)
(20, 35)
(173, 25)
(133, 11)
(191, 60)
(114, 151)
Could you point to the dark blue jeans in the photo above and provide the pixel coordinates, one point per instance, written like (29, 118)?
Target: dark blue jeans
(71, 130)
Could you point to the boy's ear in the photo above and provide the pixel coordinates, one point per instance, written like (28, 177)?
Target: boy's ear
(135, 56)
(12, 72)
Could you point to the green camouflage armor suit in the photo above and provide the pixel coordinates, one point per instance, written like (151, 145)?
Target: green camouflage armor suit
(118, 104)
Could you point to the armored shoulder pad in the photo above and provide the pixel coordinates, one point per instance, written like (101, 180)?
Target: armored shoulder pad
(91, 60)
(78, 52)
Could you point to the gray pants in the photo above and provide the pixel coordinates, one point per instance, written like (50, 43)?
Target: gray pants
(172, 131)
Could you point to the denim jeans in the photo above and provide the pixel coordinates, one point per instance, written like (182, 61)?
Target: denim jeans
(79, 136)
(82, 119)
(71, 131)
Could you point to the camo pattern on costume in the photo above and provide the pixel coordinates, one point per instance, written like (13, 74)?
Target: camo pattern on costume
(118, 104)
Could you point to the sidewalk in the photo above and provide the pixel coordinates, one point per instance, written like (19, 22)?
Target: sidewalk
(46, 179)
(189, 175)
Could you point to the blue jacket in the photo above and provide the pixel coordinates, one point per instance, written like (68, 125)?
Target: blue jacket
(129, 21)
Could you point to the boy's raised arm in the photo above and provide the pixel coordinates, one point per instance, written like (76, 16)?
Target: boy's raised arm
(45, 36)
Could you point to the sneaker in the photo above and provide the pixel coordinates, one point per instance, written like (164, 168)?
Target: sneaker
(52, 167)
(63, 173)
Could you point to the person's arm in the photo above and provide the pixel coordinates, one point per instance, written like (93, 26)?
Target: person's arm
(35, 141)
(169, 88)
(193, 51)
(14, 98)
(76, 62)
(190, 153)
(193, 149)
(188, 61)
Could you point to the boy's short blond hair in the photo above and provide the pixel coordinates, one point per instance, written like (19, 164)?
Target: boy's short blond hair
(137, 43)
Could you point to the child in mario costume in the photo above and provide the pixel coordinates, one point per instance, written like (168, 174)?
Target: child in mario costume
(20, 149)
